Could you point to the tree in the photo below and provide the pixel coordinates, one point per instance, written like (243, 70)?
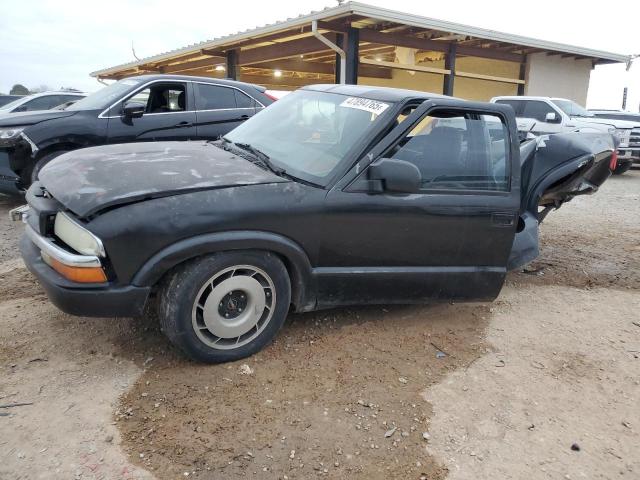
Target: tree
(18, 89)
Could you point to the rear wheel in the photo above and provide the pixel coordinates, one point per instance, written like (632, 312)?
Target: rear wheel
(225, 306)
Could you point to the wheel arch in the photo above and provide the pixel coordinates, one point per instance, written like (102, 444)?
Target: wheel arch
(56, 147)
(26, 165)
(295, 259)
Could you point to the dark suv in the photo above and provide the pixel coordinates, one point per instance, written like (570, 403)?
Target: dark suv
(144, 108)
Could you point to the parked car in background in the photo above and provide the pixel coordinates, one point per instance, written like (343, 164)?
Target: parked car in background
(4, 99)
(136, 109)
(555, 115)
(64, 105)
(634, 139)
(39, 101)
(334, 195)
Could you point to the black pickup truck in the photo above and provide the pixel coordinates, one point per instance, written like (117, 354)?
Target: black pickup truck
(334, 195)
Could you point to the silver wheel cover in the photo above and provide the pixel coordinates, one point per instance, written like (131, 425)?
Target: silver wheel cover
(233, 307)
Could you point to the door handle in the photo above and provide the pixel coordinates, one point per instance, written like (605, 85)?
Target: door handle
(502, 219)
(183, 125)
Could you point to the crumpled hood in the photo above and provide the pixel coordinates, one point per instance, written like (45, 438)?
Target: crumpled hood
(89, 180)
(31, 118)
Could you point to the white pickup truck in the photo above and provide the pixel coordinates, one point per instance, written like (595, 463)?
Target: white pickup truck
(546, 115)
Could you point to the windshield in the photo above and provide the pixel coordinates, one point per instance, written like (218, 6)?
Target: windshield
(308, 133)
(104, 97)
(15, 103)
(572, 108)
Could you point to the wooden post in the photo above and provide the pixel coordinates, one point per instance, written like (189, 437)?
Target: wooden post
(340, 43)
(353, 56)
(232, 64)
(523, 73)
(450, 64)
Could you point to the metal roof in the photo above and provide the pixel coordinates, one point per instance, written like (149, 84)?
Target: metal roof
(380, 14)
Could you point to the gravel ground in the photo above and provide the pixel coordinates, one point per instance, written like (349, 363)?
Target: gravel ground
(349, 392)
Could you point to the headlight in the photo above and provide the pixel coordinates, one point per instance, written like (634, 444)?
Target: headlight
(10, 133)
(623, 135)
(76, 236)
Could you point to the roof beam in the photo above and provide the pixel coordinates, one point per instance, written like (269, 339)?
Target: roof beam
(297, 65)
(283, 50)
(194, 65)
(212, 53)
(492, 78)
(490, 53)
(373, 36)
(278, 81)
(181, 58)
(368, 35)
(400, 66)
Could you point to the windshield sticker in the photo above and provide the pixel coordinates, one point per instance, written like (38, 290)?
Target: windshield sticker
(365, 104)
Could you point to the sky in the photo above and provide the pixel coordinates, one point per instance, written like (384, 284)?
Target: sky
(45, 42)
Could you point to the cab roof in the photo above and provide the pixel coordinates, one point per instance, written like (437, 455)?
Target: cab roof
(383, 94)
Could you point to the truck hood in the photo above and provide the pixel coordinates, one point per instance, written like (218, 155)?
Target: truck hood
(91, 180)
(31, 118)
(604, 121)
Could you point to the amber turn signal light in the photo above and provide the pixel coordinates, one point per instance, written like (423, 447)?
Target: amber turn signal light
(76, 274)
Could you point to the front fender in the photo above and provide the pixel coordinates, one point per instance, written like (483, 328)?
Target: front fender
(303, 289)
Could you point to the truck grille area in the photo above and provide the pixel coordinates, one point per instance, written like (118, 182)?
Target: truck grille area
(634, 139)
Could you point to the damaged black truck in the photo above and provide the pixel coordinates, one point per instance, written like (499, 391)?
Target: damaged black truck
(334, 195)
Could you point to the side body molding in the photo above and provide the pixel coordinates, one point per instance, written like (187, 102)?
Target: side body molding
(303, 285)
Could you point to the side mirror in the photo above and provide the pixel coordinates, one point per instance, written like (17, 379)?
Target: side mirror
(391, 175)
(552, 117)
(133, 109)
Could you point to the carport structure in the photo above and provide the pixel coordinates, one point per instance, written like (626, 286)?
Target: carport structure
(359, 43)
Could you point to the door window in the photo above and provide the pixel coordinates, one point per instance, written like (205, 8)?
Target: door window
(537, 110)
(458, 151)
(40, 103)
(162, 98)
(243, 100)
(215, 97)
(515, 104)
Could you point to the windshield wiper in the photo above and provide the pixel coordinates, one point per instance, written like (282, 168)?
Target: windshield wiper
(264, 160)
(262, 157)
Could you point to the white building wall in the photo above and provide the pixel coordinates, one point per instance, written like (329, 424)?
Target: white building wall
(554, 76)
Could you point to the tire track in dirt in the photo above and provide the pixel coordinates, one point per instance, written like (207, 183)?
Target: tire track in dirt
(318, 401)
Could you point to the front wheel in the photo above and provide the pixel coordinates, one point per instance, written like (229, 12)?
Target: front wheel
(225, 306)
(32, 172)
(622, 168)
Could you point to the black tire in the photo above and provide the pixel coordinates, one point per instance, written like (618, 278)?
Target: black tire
(183, 298)
(34, 171)
(622, 168)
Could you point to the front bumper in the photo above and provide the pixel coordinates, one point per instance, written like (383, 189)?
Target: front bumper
(631, 154)
(91, 300)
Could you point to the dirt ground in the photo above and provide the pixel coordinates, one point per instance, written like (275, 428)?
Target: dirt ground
(467, 391)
